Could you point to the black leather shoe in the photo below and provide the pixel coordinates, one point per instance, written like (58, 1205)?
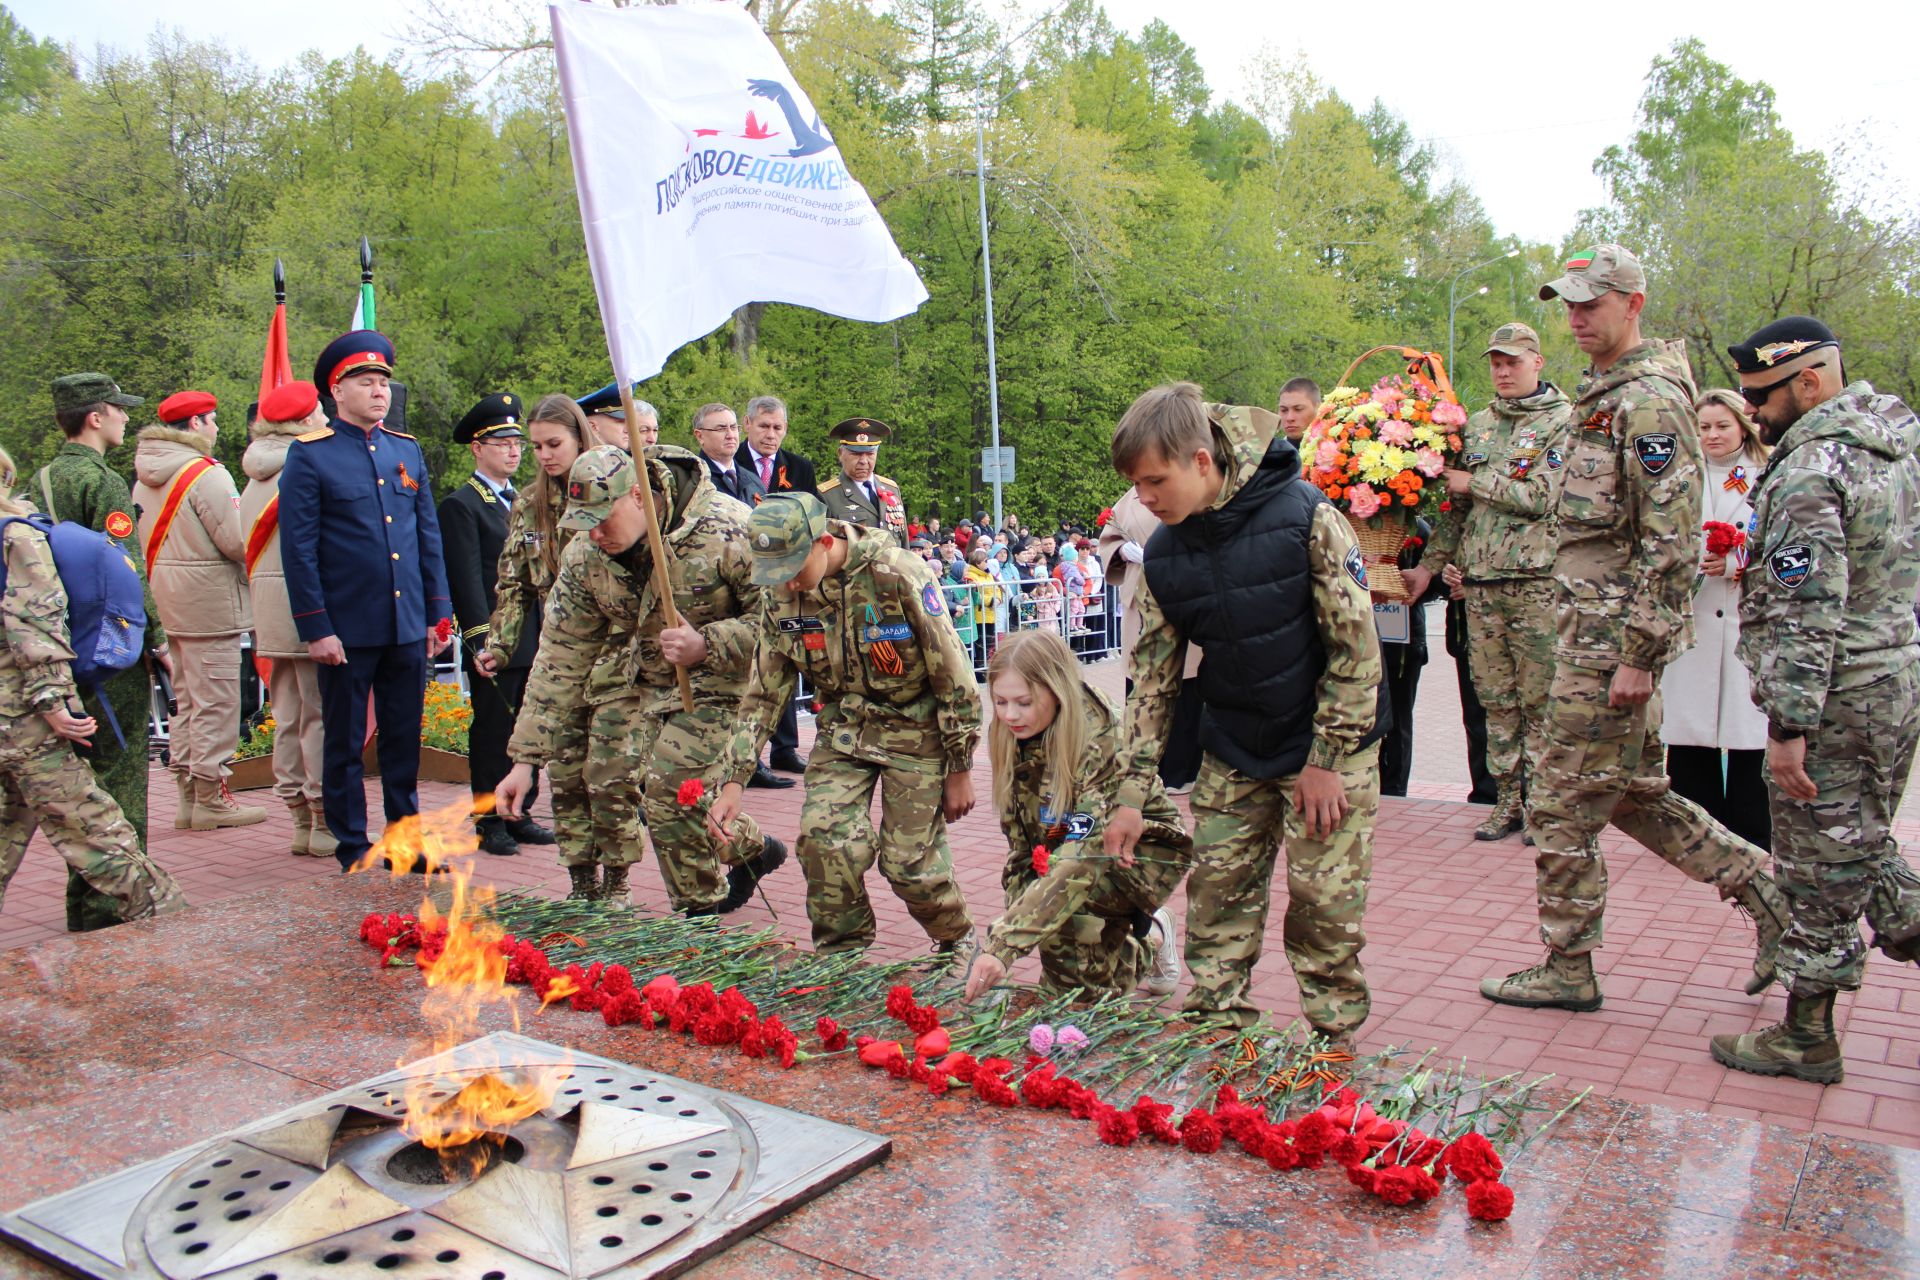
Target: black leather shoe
(495, 840)
(788, 761)
(765, 777)
(527, 831)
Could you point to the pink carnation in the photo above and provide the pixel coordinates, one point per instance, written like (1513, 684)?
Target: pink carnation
(1448, 414)
(1398, 434)
(1362, 501)
(1429, 463)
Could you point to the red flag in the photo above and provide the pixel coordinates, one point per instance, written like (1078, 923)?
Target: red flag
(275, 368)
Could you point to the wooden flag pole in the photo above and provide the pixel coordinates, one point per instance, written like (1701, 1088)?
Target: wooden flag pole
(662, 586)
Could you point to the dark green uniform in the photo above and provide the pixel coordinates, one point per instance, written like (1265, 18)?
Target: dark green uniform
(78, 485)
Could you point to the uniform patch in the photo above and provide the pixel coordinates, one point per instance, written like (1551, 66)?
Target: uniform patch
(1520, 463)
(1555, 459)
(1356, 566)
(931, 600)
(120, 524)
(815, 641)
(875, 632)
(790, 626)
(1656, 451)
(1065, 826)
(1475, 458)
(1791, 564)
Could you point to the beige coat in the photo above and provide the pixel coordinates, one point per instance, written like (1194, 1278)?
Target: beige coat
(1133, 523)
(273, 628)
(198, 584)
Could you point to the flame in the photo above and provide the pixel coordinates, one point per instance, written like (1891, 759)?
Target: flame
(455, 1111)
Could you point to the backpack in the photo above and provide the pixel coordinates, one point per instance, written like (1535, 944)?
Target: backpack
(106, 605)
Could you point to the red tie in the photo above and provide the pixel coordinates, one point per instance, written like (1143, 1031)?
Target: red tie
(766, 473)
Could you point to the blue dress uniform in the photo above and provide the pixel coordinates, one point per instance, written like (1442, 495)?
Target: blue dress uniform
(361, 548)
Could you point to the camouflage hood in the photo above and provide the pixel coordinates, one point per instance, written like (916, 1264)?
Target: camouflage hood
(864, 546)
(1860, 418)
(681, 475)
(1249, 432)
(1653, 358)
(1547, 398)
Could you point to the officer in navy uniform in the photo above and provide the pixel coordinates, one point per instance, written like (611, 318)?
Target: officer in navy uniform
(360, 545)
(473, 529)
(607, 415)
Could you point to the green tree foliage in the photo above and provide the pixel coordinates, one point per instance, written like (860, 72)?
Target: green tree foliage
(1142, 230)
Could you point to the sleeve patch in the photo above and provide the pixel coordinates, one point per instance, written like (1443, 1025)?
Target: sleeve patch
(932, 601)
(119, 524)
(1356, 566)
(1555, 459)
(1791, 564)
(1656, 451)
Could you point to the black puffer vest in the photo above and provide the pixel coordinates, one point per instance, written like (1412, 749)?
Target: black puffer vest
(1236, 582)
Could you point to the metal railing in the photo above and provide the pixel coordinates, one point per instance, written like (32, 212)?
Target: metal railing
(1087, 623)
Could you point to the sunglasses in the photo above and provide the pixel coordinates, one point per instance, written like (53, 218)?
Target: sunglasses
(1757, 396)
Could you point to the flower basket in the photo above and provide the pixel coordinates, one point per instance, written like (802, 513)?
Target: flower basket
(1379, 454)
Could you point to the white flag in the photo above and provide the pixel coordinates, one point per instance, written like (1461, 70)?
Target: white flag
(707, 181)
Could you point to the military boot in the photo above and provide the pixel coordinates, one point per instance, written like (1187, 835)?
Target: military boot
(744, 877)
(183, 815)
(613, 888)
(214, 807)
(954, 954)
(1506, 817)
(302, 827)
(320, 843)
(1802, 1045)
(585, 879)
(1761, 898)
(1558, 982)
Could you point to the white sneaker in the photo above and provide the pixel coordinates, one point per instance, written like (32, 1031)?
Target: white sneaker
(1166, 971)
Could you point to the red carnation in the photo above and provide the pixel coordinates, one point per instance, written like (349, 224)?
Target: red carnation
(1278, 1150)
(938, 1081)
(993, 1089)
(1723, 537)
(1200, 1132)
(1100, 521)
(918, 1073)
(1040, 860)
(897, 1066)
(1156, 1120)
(1394, 1184)
(899, 1000)
(921, 1020)
(1473, 1159)
(1350, 1150)
(690, 791)
(1315, 1135)
(832, 1037)
(1489, 1201)
(443, 630)
(1118, 1128)
(960, 1066)
(1362, 1177)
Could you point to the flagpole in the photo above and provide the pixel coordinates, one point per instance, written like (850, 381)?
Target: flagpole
(366, 285)
(662, 586)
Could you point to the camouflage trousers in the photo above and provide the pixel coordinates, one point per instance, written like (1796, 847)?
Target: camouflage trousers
(1836, 859)
(1510, 634)
(636, 760)
(573, 831)
(43, 784)
(1606, 764)
(838, 846)
(1238, 826)
(1083, 916)
(122, 773)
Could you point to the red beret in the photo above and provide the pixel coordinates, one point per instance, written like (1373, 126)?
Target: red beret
(182, 405)
(290, 402)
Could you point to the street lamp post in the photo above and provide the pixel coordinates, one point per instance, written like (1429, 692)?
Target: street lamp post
(1453, 306)
(986, 273)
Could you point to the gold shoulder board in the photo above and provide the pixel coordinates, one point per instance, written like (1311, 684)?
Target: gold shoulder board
(319, 433)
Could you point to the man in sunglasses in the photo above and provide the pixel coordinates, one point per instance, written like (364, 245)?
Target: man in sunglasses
(1827, 629)
(1629, 548)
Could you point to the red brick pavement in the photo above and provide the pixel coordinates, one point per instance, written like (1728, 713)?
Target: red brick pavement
(1445, 912)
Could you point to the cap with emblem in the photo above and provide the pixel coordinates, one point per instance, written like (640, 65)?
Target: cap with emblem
(862, 435)
(606, 401)
(1590, 274)
(600, 478)
(290, 402)
(496, 417)
(1782, 347)
(182, 405)
(78, 390)
(354, 352)
(781, 533)
(1513, 340)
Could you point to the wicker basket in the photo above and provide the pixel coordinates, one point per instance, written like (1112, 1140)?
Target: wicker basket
(1380, 541)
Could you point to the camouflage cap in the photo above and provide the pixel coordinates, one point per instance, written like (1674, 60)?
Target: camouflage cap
(781, 533)
(77, 390)
(600, 478)
(1512, 340)
(1590, 274)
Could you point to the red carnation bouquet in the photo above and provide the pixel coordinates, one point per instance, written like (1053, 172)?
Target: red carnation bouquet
(1723, 538)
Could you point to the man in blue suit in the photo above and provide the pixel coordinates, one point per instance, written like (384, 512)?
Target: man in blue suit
(361, 549)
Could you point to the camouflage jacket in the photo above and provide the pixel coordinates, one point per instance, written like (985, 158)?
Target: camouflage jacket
(600, 639)
(34, 648)
(1504, 527)
(1071, 833)
(84, 489)
(879, 650)
(1343, 611)
(522, 579)
(1827, 601)
(1629, 514)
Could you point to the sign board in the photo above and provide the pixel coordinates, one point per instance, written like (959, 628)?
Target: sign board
(996, 464)
(1393, 621)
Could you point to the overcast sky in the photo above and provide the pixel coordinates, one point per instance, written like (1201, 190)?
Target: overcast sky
(1518, 109)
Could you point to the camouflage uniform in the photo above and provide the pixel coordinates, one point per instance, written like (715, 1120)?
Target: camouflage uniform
(1629, 519)
(42, 782)
(601, 645)
(898, 707)
(1081, 914)
(1503, 537)
(1827, 629)
(1240, 821)
(84, 489)
(522, 585)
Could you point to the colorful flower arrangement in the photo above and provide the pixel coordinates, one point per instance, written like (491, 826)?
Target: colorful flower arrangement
(444, 721)
(1381, 451)
(1288, 1101)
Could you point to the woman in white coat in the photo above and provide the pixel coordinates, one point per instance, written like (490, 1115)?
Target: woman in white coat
(1716, 738)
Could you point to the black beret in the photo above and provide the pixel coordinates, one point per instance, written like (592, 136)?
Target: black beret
(1779, 342)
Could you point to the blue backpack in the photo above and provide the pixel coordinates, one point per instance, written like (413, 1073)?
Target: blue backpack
(106, 603)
